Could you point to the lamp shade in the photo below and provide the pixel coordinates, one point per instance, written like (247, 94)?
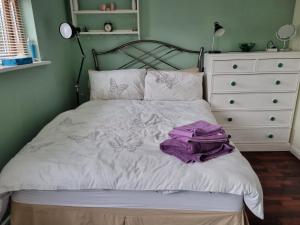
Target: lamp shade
(68, 31)
(219, 30)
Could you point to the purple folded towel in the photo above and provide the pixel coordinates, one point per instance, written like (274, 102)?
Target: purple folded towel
(197, 142)
(186, 157)
(199, 128)
(180, 146)
(193, 146)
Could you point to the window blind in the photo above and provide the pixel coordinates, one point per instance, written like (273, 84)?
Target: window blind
(12, 30)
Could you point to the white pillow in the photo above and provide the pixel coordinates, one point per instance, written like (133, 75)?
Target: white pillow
(117, 84)
(173, 86)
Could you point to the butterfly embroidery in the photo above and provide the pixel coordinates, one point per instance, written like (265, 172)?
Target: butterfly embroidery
(116, 90)
(153, 120)
(68, 122)
(92, 137)
(36, 147)
(128, 143)
(166, 79)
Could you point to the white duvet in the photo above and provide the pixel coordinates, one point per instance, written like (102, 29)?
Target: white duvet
(115, 145)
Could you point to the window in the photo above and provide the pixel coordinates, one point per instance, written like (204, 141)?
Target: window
(12, 30)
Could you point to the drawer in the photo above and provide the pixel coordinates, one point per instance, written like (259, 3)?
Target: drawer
(259, 135)
(253, 101)
(278, 65)
(234, 66)
(258, 82)
(254, 118)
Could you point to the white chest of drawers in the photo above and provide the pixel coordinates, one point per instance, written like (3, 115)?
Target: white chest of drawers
(253, 96)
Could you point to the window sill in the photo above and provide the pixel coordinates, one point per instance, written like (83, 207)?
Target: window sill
(4, 69)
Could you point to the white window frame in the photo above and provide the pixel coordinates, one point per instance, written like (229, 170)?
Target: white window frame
(12, 30)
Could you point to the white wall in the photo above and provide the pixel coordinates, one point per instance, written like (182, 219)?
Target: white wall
(295, 45)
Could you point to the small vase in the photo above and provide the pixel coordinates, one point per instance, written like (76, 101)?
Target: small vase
(102, 7)
(112, 6)
(134, 6)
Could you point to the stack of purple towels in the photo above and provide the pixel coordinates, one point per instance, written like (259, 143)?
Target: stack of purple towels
(197, 142)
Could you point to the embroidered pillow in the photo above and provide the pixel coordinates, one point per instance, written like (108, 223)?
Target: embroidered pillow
(173, 86)
(117, 84)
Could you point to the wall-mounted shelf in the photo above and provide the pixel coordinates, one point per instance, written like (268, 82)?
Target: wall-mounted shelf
(76, 12)
(102, 32)
(119, 11)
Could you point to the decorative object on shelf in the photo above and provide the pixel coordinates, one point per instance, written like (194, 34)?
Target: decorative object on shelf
(108, 7)
(247, 47)
(108, 27)
(113, 6)
(271, 47)
(68, 31)
(102, 7)
(85, 29)
(286, 33)
(134, 5)
(219, 31)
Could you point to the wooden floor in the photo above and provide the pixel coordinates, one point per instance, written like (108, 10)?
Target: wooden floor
(279, 173)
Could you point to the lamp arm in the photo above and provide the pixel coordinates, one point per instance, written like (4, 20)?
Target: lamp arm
(80, 46)
(213, 43)
(77, 85)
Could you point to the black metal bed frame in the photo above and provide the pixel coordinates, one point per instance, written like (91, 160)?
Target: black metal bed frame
(159, 53)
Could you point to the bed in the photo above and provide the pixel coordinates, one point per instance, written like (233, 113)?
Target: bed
(101, 164)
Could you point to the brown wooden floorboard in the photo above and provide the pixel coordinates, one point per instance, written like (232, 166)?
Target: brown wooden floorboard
(279, 174)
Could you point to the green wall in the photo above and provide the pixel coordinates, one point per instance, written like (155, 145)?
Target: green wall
(31, 98)
(189, 23)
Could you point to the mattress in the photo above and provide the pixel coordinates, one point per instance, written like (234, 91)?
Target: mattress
(186, 200)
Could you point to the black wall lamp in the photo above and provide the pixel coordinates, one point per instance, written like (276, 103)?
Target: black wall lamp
(219, 31)
(68, 31)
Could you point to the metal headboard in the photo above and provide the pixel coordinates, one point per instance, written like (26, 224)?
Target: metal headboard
(159, 53)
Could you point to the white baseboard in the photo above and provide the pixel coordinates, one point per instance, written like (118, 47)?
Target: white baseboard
(295, 151)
